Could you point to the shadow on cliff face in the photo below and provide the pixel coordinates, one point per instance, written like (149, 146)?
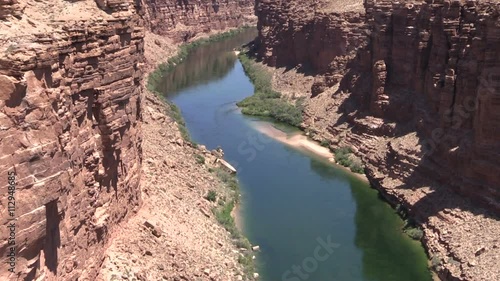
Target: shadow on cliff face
(289, 62)
(442, 167)
(52, 236)
(445, 184)
(48, 245)
(392, 119)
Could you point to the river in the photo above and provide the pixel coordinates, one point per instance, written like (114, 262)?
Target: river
(312, 220)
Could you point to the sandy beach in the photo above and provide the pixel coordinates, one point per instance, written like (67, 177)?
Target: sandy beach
(302, 142)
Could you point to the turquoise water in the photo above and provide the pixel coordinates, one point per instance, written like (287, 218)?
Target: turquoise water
(311, 220)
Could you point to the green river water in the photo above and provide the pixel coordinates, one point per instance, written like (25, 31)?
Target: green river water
(312, 220)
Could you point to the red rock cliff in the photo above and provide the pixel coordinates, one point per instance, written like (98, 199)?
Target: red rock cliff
(70, 114)
(70, 121)
(70, 130)
(182, 20)
(414, 88)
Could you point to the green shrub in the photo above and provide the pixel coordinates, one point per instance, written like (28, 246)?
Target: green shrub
(211, 196)
(357, 168)
(265, 101)
(224, 217)
(175, 113)
(221, 201)
(343, 157)
(199, 159)
(243, 243)
(227, 178)
(435, 262)
(343, 152)
(412, 229)
(325, 143)
(415, 233)
(245, 260)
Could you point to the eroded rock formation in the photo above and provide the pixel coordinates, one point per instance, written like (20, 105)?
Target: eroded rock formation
(414, 88)
(182, 20)
(70, 129)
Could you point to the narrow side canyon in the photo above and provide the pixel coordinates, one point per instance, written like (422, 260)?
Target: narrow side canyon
(413, 88)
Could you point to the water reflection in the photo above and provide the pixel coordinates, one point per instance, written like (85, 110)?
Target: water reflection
(378, 234)
(385, 248)
(205, 64)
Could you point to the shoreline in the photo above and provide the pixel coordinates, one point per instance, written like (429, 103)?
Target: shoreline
(303, 143)
(238, 220)
(247, 269)
(433, 220)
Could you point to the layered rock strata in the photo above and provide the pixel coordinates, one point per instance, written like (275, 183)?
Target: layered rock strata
(183, 20)
(414, 88)
(71, 80)
(70, 130)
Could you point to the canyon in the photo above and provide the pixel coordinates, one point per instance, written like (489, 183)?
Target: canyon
(413, 88)
(71, 129)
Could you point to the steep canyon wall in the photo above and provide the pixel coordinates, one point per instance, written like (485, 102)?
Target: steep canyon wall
(70, 129)
(71, 76)
(182, 20)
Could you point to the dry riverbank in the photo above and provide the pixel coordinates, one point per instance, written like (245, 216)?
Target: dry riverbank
(175, 233)
(301, 142)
